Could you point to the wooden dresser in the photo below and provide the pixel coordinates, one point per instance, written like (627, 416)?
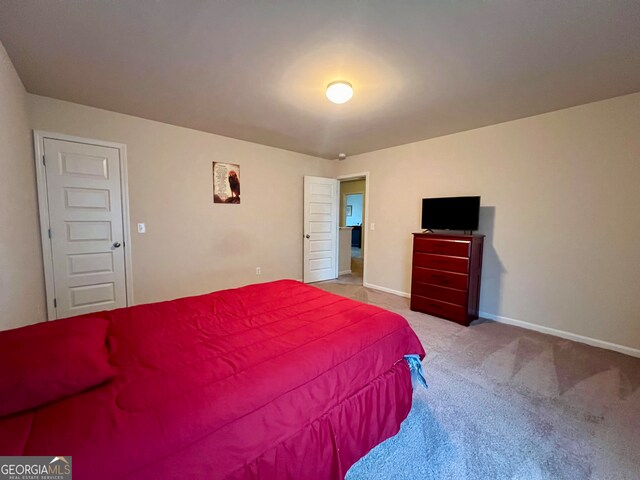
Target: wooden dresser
(445, 275)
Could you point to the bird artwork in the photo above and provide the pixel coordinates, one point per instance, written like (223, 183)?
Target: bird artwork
(234, 184)
(226, 183)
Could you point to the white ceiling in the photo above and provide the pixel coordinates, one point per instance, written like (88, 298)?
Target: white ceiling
(257, 70)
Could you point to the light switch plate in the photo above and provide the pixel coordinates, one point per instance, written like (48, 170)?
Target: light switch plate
(142, 228)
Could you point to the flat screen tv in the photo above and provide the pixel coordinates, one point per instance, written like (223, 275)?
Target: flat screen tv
(450, 213)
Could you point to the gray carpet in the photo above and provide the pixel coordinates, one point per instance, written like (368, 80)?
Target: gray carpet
(508, 403)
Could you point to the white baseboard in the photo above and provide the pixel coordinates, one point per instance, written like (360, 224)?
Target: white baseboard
(344, 272)
(388, 290)
(634, 352)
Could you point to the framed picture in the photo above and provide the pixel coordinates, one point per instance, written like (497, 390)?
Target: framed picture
(349, 210)
(226, 182)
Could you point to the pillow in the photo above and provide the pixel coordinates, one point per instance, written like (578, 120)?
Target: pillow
(48, 361)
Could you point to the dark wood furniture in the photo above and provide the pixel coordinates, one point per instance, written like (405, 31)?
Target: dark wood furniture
(356, 236)
(445, 276)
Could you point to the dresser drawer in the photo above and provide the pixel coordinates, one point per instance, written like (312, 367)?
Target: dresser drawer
(441, 262)
(457, 313)
(449, 295)
(457, 248)
(438, 277)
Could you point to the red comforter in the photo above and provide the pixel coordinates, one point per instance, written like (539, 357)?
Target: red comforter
(278, 380)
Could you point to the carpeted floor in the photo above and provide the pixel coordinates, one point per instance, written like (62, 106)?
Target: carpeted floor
(357, 262)
(508, 403)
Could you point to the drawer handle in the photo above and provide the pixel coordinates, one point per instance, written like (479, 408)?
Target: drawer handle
(436, 306)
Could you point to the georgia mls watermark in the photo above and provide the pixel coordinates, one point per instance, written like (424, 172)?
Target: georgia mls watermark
(35, 468)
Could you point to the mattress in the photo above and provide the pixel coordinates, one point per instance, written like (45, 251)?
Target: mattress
(275, 380)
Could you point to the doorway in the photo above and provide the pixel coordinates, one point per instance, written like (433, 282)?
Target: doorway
(352, 232)
(84, 224)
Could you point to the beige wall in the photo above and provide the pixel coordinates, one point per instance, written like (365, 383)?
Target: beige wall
(561, 211)
(193, 246)
(21, 278)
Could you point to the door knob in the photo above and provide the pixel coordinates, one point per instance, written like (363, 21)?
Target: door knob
(307, 236)
(116, 245)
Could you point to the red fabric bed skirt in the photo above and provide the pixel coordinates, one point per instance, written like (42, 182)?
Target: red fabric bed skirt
(340, 437)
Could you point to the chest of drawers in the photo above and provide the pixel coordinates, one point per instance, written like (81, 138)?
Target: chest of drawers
(445, 275)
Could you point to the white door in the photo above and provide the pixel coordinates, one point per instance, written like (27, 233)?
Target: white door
(86, 230)
(320, 229)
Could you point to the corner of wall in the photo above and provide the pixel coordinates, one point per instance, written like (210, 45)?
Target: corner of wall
(21, 273)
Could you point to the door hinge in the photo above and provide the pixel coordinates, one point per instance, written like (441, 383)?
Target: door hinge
(44, 161)
(49, 232)
(55, 303)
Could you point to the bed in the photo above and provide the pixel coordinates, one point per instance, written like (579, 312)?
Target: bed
(277, 380)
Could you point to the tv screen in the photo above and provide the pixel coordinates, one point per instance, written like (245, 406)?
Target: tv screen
(450, 213)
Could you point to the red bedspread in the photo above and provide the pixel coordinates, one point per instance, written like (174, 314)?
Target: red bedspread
(278, 380)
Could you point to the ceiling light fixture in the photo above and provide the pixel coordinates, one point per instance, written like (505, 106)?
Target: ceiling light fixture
(339, 92)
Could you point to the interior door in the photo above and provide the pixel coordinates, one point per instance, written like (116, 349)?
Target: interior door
(320, 229)
(86, 230)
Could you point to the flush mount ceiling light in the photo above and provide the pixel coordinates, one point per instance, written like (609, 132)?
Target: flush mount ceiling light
(339, 92)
